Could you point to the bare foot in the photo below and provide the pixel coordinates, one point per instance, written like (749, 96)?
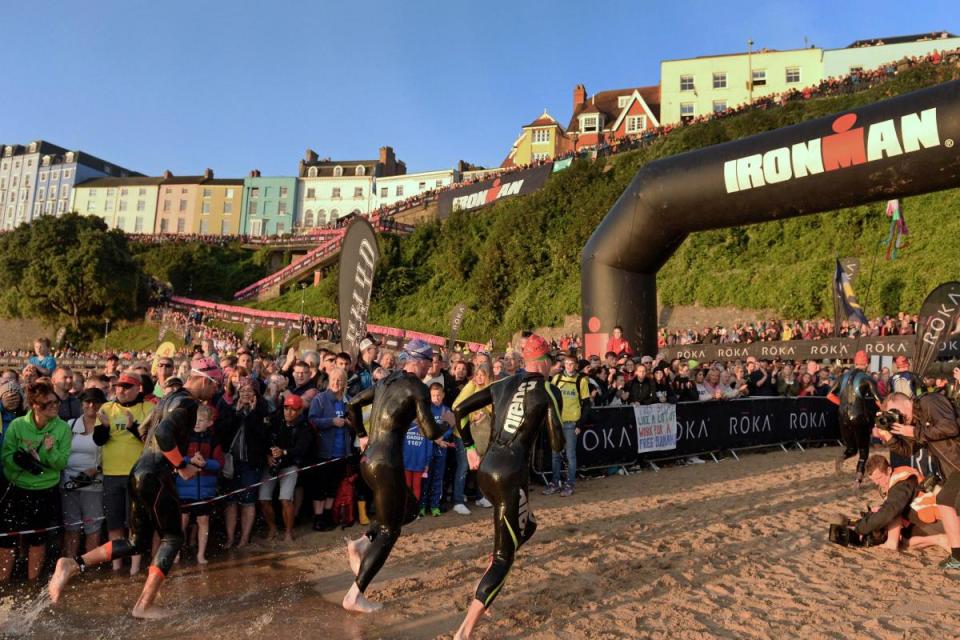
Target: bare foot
(356, 601)
(288, 538)
(176, 559)
(151, 613)
(66, 569)
(202, 560)
(355, 551)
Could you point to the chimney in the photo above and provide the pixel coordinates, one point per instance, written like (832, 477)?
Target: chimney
(208, 174)
(167, 174)
(252, 174)
(579, 96)
(311, 155)
(388, 160)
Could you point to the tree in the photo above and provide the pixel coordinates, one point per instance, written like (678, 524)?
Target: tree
(69, 269)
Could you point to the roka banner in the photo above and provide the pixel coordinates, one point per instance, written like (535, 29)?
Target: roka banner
(937, 321)
(517, 183)
(359, 255)
(456, 321)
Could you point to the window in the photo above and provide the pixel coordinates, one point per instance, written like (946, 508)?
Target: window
(141, 192)
(251, 208)
(793, 74)
(141, 205)
(541, 136)
(121, 223)
(686, 111)
(334, 214)
(61, 206)
(311, 194)
(138, 224)
(122, 206)
(91, 206)
(361, 170)
(383, 192)
(622, 101)
(229, 194)
(166, 206)
(266, 192)
(36, 209)
(43, 177)
(439, 184)
(163, 225)
(759, 77)
(183, 205)
(204, 227)
(719, 106)
(123, 192)
(108, 206)
(225, 228)
(40, 195)
(719, 79)
(64, 191)
(168, 190)
(399, 189)
(686, 83)
(254, 193)
(66, 174)
(856, 69)
(227, 208)
(537, 157)
(208, 193)
(589, 124)
(181, 225)
(321, 217)
(312, 172)
(636, 123)
(183, 190)
(335, 193)
(282, 208)
(53, 193)
(308, 218)
(15, 181)
(280, 228)
(205, 208)
(358, 192)
(422, 186)
(111, 192)
(283, 192)
(337, 171)
(48, 208)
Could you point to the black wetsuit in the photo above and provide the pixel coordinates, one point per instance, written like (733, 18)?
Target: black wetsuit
(397, 400)
(522, 405)
(155, 503)
(858, 408)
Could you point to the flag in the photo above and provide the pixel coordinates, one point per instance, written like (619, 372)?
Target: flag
(898, 229)
(845, 298)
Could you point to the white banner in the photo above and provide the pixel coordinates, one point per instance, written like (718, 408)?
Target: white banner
(656, 427)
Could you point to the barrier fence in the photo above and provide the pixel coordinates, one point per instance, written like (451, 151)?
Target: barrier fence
(627, 435)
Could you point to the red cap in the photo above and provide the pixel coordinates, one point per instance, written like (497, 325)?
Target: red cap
(535, 348)
(126, 378)
(861, 357)
(901, 361)
(293, 401)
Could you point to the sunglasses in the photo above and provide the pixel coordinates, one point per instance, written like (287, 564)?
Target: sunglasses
(50, 404)
(123, 385)
(165, 365)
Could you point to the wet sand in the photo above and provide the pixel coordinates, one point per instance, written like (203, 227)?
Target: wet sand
(729, 550)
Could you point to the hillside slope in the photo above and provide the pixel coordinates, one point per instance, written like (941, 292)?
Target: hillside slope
(516, 264)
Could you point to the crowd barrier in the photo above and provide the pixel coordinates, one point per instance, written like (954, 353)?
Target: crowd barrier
(830, 348)
(627, 435)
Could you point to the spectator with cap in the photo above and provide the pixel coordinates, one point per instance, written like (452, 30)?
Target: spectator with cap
(366, 364)
(112, 365)
(292, 446)
(81, 483)
(119, 435)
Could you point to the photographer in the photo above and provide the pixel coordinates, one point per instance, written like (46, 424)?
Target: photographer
(900, 486)
(929, 421)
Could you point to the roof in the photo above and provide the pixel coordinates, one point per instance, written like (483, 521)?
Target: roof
(933, 35)
(43, 148)
(120, 182)
(58, 156)
(545, 120)
(184, 180)
(225, 181)
(605, 102)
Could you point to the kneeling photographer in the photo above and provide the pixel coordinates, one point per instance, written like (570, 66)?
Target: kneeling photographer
(929, 421)
(908, 509)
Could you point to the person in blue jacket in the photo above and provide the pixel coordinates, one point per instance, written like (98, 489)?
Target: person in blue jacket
(433, 492)
(202, 486)
(328, 417)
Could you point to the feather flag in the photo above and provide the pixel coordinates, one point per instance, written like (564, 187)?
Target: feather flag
(898, 230)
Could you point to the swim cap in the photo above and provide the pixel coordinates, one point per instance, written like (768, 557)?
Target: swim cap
(208, 368)
(417, 349)
(535, 348)
(861, 357)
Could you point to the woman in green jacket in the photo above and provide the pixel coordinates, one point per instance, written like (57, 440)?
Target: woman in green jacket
(35, 450)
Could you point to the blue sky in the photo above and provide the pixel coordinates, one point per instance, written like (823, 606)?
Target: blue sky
(242, 85)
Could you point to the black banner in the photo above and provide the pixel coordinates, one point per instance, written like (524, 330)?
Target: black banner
(938, 319)
(456, 321)
(608, 437)
(517, 183)
(830, 348)
(359, 254)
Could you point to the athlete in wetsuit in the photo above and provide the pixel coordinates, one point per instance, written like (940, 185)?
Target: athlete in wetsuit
(856, 395)
(397, 400)
(156, 506)
(523, 404)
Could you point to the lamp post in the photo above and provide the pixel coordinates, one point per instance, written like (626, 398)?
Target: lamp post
(750, 69)
(106, 330)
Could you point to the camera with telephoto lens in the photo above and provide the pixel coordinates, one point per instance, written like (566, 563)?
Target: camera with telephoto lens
(27, 462)
(886, 419)
(78, 481)
(843, 533)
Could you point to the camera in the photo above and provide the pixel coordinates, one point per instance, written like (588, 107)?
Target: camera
(886, 419)
(27, 462)
(78, 481)
(843, 533)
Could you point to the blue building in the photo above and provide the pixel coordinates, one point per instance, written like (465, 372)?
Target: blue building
(268, 204)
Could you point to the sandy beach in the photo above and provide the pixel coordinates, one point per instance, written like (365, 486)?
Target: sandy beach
(728, 550)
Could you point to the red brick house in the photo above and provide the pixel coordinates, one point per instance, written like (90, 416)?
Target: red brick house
(609, 115)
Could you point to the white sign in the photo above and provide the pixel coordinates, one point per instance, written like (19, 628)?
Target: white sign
(656, 427)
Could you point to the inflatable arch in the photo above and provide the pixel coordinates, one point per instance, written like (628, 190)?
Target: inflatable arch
(898, 147)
